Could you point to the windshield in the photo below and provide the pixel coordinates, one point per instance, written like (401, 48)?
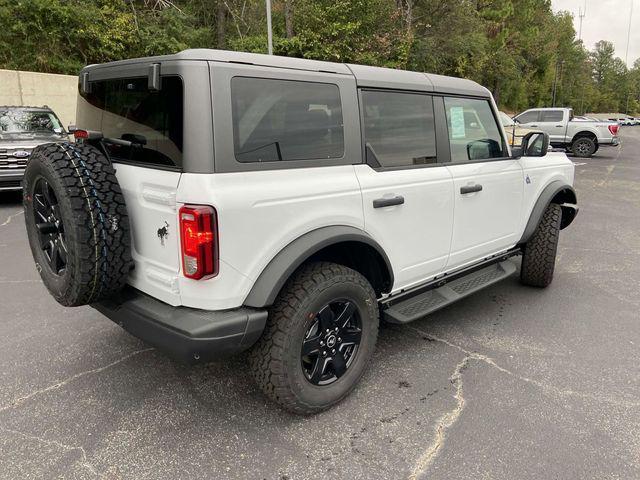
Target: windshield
(21, 121)
(506, 120)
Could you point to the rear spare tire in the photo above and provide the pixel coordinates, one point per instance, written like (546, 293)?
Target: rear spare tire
(77, 223)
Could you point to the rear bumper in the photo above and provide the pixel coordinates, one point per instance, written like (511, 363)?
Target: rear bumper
(187, 334)
(609, 142)
(11, 179)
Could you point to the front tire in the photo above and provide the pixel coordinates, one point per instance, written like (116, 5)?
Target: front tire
(319, 338)
(539, 258)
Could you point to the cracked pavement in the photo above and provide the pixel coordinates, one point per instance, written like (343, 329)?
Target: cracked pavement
(512, 382)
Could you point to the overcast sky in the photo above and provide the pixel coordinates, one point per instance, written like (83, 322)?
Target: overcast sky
(606, 20)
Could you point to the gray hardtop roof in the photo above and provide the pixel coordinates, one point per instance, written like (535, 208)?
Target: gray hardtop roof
(366, 76)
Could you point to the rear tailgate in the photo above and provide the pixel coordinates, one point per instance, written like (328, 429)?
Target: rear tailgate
(151, 203)
(120, 102)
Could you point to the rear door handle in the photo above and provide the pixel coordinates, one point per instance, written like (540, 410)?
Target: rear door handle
(388, 202)
(470, 189)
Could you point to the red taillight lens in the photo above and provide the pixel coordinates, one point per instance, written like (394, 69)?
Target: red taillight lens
(199, 238)
(613, 129)
(80, 134)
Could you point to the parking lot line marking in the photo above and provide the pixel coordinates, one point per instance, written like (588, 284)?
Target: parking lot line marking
(11, 217)
(19, 401)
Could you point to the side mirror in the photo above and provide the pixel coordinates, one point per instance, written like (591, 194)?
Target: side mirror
(534, 144)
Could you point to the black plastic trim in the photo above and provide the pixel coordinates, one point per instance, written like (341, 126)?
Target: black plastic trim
(281, 267)
(545, 198)
(441, 280)
(187, 334)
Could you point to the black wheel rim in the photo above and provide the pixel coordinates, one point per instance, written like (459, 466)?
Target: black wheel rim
(584, 147)
(49, 226)
(331, 342)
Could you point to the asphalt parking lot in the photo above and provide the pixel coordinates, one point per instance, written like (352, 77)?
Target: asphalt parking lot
(511, 383)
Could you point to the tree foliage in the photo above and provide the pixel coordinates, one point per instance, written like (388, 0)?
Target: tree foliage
(519, 49)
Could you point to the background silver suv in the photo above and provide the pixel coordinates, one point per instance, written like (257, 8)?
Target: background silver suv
(22, 129)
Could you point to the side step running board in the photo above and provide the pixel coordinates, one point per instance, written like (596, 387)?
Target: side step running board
(420, 305)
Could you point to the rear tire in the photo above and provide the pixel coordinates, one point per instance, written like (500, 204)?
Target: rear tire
(583, 147)
(539, 258)
(314, 302)
(76, 222)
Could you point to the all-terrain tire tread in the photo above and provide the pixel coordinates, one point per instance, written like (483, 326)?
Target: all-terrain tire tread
(265, 359)
(99, 239)
(539, 258)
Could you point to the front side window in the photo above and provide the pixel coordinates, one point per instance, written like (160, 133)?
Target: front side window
(151, 120)
(473, 131)
(283, 120)
(399, 128)
(528, 117)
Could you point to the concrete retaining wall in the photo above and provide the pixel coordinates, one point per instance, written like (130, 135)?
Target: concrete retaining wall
(59, 92)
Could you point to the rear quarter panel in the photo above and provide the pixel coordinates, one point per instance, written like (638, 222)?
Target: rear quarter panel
(259, 213)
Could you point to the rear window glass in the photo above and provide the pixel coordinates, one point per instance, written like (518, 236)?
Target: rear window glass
(551, 116)
(151, 120)
(280, 120)
(399, 128)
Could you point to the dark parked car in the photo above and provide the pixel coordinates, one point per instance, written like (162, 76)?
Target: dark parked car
(22, 129)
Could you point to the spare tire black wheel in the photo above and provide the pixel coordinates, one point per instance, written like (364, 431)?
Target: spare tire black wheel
(77, 223)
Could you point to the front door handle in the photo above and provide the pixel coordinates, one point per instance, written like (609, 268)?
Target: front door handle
(388, 202)
(470, 189)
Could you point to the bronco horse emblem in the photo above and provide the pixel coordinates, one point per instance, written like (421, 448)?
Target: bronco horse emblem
(163, 233)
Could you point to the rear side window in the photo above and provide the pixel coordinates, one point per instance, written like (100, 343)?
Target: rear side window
(551, 116)
(151, 120)
(473, 131)
(282, 120)
(399, 128)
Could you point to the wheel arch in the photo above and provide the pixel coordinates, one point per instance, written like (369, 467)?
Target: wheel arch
(585, 133)
(343, 244)
(556, 192)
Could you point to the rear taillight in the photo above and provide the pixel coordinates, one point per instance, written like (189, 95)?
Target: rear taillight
(199, 238)
(80, 134)
(613, 129)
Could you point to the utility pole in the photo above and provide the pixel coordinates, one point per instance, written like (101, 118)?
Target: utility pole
(626, 57)
(269, 31)
(555, 81)
(582, 13)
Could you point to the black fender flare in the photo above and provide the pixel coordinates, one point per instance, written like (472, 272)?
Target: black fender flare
(281, 267)
(556, 192)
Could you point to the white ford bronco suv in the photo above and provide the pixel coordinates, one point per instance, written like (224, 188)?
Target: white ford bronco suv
(216, 202)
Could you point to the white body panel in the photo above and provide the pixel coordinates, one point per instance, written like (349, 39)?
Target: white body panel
(415, 235)
(487, 221)
(259, 213)
(150, 195)
(541, 172)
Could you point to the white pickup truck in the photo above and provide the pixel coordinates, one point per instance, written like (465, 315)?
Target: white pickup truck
(216, 202)
(581, 138)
